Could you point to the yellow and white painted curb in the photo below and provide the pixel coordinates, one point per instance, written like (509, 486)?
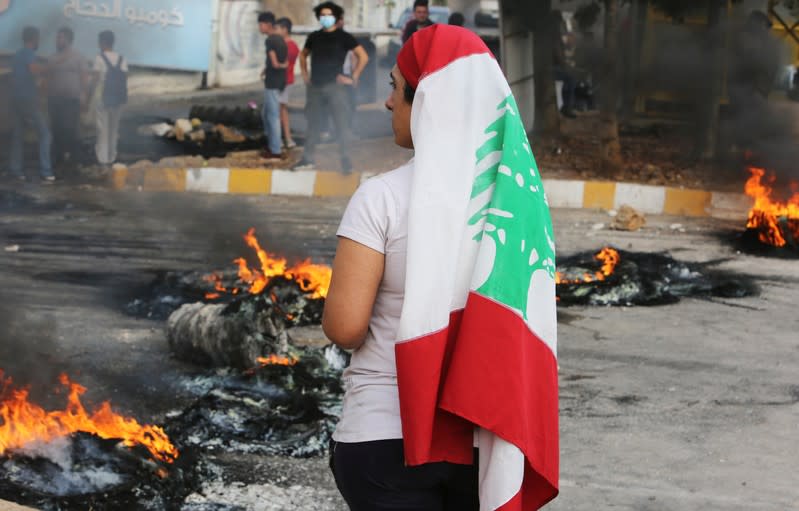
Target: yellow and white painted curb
(605, 195)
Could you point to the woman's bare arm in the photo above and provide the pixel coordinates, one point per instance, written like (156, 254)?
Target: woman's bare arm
(357, 272)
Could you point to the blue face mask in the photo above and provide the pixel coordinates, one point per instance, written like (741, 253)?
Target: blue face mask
(327, 21)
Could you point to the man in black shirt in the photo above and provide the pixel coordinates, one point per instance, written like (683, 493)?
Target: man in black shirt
(327, 85)
(421, 19)
(274, 76)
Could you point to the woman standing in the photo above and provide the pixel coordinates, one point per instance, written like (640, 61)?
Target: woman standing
(443, 284)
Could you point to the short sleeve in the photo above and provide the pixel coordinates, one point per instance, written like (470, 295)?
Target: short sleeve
(367, 216)
(350, 43)
(99, 64)
(309, 41)
(124, 66)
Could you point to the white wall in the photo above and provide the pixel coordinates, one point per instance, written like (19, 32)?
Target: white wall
(517, 59)
(238, 54)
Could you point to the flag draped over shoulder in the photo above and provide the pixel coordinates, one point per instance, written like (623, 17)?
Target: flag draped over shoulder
(477, 335)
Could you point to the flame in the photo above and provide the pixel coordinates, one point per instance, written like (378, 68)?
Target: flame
(216, 279)
(312, 278)
(609, 258)
(24, 422)
(277, 360)
(773, 219)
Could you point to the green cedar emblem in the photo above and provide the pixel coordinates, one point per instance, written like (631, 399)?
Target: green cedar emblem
(516, 213)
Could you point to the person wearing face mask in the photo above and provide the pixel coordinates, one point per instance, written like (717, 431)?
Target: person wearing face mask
(25, 71)
(327, 85)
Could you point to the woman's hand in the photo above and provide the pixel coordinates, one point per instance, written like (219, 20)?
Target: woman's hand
(357, 273)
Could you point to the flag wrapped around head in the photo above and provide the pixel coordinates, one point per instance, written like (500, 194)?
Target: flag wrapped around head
(476, 344)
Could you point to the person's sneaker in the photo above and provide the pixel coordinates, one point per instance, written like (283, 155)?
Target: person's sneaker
(269, 155)
(304, 164)
(48, 180)
(291, 144)
(346, 165)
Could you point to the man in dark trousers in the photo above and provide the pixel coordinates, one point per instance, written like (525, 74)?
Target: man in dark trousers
(327, 85)
(25, 70)
(67, 83)
(274, 75)
(421, 19)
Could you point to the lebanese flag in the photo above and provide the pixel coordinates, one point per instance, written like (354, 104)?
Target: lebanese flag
(476, 357)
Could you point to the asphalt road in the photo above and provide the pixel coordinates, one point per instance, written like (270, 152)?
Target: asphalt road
(693, 405)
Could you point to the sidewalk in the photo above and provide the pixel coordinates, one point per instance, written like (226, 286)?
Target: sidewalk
(562, 193)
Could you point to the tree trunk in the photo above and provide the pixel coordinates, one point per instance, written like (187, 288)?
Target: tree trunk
(706, 140)
(610, 147)
(638, 14)
(547, 119)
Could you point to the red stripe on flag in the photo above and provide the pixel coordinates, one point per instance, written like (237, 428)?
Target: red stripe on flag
(505, 379)
(485, 368)
(430, 434)
(435, 47)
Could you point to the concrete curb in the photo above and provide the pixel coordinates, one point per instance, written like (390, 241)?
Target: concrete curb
(561, 193)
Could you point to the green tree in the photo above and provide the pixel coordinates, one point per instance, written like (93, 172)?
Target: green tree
(516, 214)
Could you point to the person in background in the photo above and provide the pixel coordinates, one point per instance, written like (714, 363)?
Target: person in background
(327, 86)
(110, 71)
(562, 70)
(67, 83)
(284, 30)
(274, 76)
(456, 19)
(25, 70)
(421, 19)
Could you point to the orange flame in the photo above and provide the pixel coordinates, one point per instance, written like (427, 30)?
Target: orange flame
(277, 360)
(313, 279)
(609, 258)
(773, 219)
(24, 423)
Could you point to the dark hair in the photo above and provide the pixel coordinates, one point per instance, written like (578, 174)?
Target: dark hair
(30, 34)
(106, 39)
(456, 19)
(285, 23)
(67, 33)
(266, 17)
(338, 11)
(409, 93)
(421, 3)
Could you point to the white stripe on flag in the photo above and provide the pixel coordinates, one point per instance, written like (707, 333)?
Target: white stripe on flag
(501, 470)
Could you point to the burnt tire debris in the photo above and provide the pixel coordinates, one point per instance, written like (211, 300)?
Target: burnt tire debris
(83, 471)
(647, 279)
(286, 410)
(749, 242)
(278, 398)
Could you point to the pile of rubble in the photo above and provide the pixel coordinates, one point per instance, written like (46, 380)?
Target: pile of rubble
(195, 130)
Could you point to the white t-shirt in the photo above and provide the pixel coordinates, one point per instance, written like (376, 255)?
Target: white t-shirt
(377, 217)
